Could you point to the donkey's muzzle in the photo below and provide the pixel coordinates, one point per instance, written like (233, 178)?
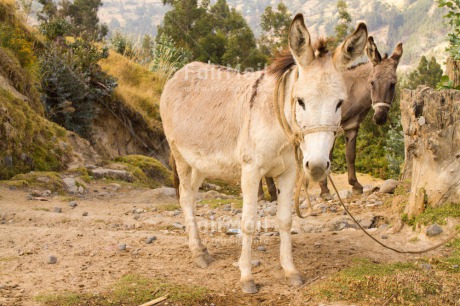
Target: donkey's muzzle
(380, 117)
(317, 171)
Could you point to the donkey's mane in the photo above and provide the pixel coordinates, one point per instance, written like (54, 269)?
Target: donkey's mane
(357, 65)
(284, 60)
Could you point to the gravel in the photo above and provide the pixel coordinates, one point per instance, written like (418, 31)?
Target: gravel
(51, 260)
(150, 239)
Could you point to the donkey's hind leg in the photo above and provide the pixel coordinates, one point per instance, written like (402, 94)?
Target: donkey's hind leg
(190, 181)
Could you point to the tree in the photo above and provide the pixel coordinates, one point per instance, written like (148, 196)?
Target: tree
(275, 26)
(453, 17)
(427, 73)
(343, 27)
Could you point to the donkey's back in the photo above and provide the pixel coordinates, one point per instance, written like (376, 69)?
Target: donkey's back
(205, 108)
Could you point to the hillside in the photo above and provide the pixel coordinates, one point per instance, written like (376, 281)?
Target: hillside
(418, 24)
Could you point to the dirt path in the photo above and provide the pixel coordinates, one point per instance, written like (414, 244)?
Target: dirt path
(89, 259)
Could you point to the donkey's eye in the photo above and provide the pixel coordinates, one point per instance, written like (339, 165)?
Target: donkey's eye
(339, 105)
(301, 102)
(392, 86)
(373, 84)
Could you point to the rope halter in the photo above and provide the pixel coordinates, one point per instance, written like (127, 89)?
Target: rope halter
(380, 104)
(295, 133)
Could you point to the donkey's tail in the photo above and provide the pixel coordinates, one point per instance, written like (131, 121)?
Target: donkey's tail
(176, 180)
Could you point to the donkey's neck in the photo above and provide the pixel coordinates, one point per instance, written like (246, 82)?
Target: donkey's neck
(357, 82)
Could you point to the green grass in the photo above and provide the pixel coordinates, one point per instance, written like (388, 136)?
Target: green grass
(132, 289)
(45, 180)
(369, 283)
(168, 207)
(147, 170)
(433, 215)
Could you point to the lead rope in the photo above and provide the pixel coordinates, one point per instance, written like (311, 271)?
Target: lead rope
(451, 237)
(295, 138)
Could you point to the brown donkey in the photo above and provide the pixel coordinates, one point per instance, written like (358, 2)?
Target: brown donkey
(369, 85)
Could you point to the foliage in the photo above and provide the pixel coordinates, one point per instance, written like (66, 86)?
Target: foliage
(78, 18)
(123, 45)
(167, 58)
(275, 26)
(211, 33)
(343, 27)
(453, 19)
(437, 215)
(446, 83)
(394, 148)
(45, 180)
(14, 39)
(73, 83)
(28, 141)
(427, 73)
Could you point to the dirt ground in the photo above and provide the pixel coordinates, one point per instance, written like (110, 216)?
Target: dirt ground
(89, 259)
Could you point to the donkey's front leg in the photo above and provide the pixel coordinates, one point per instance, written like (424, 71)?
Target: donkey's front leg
(286, 184)
(249, 184)
(350, 138)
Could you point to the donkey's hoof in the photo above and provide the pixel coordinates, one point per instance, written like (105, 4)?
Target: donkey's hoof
(357, 190)
(201, 261)
(326, 196)
(249, 287)
(296, 280)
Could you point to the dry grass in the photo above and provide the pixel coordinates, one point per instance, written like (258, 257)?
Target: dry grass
(138, 88)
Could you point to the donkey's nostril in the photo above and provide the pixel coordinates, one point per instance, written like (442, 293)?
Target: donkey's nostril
(328, 164)
(307, 164)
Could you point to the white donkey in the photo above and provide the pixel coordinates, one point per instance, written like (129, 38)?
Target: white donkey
(221, 123)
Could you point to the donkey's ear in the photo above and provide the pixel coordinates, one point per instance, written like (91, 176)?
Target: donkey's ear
(397, 53)
(372, 52)
(300, 43)
(351, 48)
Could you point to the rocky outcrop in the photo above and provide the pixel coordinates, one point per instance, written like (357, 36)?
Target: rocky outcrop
(431, 123)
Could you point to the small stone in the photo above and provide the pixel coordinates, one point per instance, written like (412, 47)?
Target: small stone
(35, 193)
(73, 204)
(51, 260)
(84, 214)
(426, 266)
(81, 189)
(384, 237)
(46, 193)
(237, 211)
(421, 120)
(261, 248)
(179, 225)
(389, 186)
(138, 211)
(433, 230)
(122, 247)
(233, 231)
(317, 244)
(227, 207)
(255, 263)
(57, 210)
(271, 211)
(150, 239)
(454, 266)
(345, 194)
(294, 231)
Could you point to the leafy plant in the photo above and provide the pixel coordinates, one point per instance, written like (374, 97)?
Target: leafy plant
(446, 83)
(453, 19)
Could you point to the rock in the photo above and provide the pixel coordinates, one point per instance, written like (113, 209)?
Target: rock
(211, 186)
(150, 239)
(233, 231)
(345, 194)
(116, 187)
(271, 211)
(421, 120)
(57, 210)
(384, 237)
(84, 214)
(8, 161)
(426, 266)
(255, 263)
(389, 186)
(46, 193)
(366, 223)
(138, 211)
(100, 173)
(433, 230)
(212, 195)
(122, 247)
(261, 248)
(237, 211)
(179, 225)
(73, 204)
(227, 207)
(294, 231)
(51, 260)
(163, 193)
(36, 193)
(454, 267)
(70, 184)
(317, 244)
(81, 189)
